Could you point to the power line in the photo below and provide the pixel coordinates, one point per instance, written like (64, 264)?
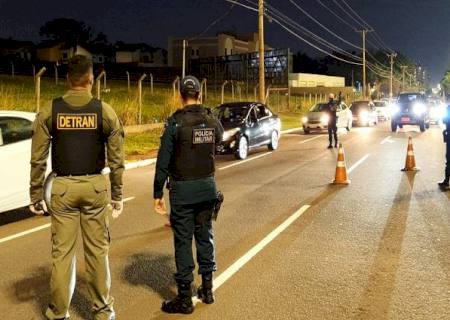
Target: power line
(214, 22)
(348, 14)
(368, 26)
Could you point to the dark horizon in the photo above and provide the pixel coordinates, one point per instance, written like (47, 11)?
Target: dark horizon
(398, 23)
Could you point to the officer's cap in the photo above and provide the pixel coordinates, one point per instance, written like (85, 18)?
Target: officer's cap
(190, 85)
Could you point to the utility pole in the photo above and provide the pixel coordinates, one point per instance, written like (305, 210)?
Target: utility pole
(364, 33)
(403, 76)
(392, 56)
(262, 72)
(184, 58)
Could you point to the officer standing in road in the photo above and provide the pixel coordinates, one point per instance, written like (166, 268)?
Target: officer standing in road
(186, 157)
(81, 131)
(444, 185)
(331, 110)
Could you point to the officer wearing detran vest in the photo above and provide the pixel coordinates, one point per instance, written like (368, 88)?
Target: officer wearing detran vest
(444, 185)
(331, 110)
(80, 130)
(186, 157)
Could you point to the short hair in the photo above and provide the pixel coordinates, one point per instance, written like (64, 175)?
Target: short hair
(79, 69)
(190, 95)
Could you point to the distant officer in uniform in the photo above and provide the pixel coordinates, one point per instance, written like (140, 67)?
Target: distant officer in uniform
(331, 110)
(186, 156)
(81, 130)
(444, 185)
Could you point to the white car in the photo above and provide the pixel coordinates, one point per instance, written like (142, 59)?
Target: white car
(383, 112)
(317, 118)
(15, 154)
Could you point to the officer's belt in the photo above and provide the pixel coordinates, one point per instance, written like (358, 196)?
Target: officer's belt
(78, 175)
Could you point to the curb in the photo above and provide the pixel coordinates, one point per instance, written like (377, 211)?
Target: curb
(149, 162)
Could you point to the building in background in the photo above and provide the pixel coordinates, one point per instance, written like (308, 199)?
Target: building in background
(140, 54)
(60, 52)
(224, 44)
(309, 80)
(14, 50)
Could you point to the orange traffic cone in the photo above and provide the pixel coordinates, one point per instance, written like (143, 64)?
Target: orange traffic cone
(341, 168)
(410, 164)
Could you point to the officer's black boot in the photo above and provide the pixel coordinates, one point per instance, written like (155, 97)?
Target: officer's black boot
(181, 303)
(205, 292)
(444, 185)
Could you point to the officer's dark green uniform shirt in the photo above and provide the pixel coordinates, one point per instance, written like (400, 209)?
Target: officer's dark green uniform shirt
(112, 129)
(182, 191)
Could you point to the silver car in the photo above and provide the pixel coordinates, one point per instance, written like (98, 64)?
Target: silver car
(317, 118)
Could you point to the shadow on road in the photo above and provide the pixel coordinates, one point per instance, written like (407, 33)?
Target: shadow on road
(376, 298)
(15, 215)
(153, 271)
(35, 289)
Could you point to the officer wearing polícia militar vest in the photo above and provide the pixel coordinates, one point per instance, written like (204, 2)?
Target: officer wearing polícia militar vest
(445, 185)
(186, 158)
(81, 132)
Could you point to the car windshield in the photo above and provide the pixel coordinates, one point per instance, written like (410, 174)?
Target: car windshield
(379, 104)
(359, 105)
(319, 107)
(410, 97)
(232, 113)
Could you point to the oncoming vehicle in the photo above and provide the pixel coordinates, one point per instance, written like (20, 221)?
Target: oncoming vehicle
(317, 118)
(15, 152)
(364, 113)
(410, 109)
(437, 111)
(247, 125)
(381, 107)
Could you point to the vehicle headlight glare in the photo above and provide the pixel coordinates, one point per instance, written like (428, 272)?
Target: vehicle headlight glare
(227, 135)
(325, 119)
(419, 108)
(394, 109)
(364, 115)
(305, 119)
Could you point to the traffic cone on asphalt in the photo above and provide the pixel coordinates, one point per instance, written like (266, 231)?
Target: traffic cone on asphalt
(410, 164)
(341, 168)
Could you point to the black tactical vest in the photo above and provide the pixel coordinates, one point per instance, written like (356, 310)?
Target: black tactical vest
(78, 142)
(195, 143)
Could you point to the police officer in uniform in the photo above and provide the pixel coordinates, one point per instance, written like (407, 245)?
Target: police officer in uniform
(80, 130)
(186, 157)
(331, 110)
(444, 185)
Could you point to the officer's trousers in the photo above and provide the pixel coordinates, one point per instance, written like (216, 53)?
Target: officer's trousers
(80, 203)
(332, 132)
(190, 221)
(447, 166)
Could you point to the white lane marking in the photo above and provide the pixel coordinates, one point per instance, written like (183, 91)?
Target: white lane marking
(310, 139)
(387, 140)
(290, 130)
(357, 164)
(39, 228)
(245, 161)
(228, 273)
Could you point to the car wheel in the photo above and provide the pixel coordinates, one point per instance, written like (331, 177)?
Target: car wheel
(273, 145)
(393, 126)
(422, 127)
(427, 125)
(306, 131)
(242, 151)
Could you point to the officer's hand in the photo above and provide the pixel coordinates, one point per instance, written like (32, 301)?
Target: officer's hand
(160, 206)
(117, 207)
(39, 208)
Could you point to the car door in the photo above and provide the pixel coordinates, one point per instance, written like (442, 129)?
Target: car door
(341, 116)
(15, 153)
(254, 134)
(264, 123)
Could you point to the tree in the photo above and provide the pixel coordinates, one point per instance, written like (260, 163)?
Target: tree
(67, 30)
(445, 82)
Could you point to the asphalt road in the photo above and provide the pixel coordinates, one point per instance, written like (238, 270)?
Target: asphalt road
(289, 245)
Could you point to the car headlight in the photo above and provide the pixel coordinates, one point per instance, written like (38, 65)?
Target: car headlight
(305, 120)
(227, 135)
(419, 108)
(394, 109)
(325, 119)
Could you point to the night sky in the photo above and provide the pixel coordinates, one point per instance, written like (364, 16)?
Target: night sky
(418, 28)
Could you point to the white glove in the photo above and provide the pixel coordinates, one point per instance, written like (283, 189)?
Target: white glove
(117, 207)
(39, 208)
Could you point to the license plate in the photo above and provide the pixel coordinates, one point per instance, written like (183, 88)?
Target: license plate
(406, 119)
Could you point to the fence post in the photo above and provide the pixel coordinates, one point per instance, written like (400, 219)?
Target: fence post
(204, 92)
(140, 96)
(38, 88)
(34, 72)
(128, 81)
(232, 90)
(151, 83)
(56, 73)
(12, 69)
(104, 81)
(256, 91)
(174, 87)
(99, 78)
(223, 90)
